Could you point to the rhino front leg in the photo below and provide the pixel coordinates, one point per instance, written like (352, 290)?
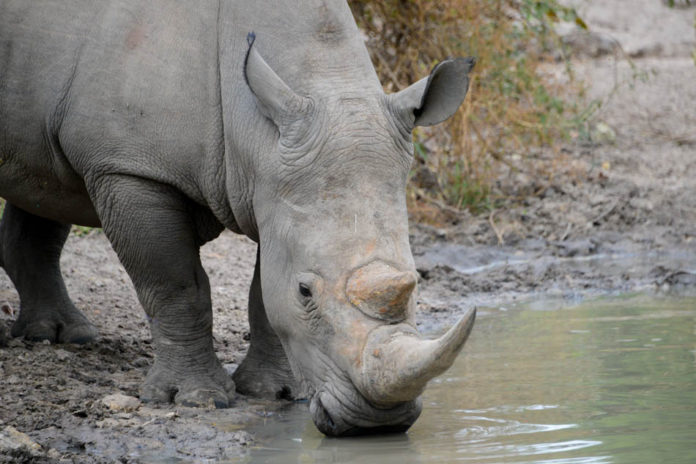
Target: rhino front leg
(156, 233)
(30, 248)
(265, 371)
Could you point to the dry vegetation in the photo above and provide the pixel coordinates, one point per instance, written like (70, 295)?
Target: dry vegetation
(512, 110)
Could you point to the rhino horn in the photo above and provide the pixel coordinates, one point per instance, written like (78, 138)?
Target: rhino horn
(397, 363)
(275, 99)
(381, 291)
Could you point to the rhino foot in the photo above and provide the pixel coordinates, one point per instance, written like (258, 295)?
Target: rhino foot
(265, 371)
(30, 249)
(67, 325)
(213, 388)
(265, 379)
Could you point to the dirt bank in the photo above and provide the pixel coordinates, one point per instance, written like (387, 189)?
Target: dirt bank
(619, 216)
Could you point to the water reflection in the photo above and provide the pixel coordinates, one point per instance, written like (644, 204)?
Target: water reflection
(293, 438)
(611, 381)
(506, 427)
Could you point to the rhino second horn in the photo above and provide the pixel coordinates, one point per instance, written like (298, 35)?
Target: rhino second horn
(381, 291)
(396, 365)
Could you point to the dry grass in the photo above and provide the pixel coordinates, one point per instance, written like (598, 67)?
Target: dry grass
(512, 109)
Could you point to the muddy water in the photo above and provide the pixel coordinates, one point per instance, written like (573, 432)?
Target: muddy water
(609, 381)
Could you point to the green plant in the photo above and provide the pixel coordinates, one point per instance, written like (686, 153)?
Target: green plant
(82, 231)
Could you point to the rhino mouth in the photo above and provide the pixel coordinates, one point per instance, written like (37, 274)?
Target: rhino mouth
(341, 415)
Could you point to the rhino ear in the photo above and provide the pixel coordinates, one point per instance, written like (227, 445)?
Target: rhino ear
(437, 97)
(275, 99)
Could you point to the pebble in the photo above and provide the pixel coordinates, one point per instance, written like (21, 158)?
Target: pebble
(12, 439)
(602, 133)
(121, 403)
(592, 44)
(230, 368)
(62, 354)
(107, 423)
(16, 343)
(5, 308)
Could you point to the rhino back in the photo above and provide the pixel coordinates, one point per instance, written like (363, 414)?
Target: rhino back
(106, 87)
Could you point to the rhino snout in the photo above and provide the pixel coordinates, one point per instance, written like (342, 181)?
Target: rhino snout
(349, 414)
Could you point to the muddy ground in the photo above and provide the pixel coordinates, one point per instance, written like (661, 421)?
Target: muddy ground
(619, 216)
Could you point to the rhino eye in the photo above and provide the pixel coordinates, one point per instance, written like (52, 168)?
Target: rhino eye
(305, 291)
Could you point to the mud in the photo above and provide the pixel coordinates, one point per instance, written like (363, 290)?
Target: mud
(618, 216)
(55, 393)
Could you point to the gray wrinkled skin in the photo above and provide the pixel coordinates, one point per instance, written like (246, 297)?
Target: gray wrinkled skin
(164, 122)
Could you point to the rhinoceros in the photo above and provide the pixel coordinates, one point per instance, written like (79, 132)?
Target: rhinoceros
(165, 122)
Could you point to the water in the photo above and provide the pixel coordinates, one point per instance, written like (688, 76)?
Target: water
(607, 381)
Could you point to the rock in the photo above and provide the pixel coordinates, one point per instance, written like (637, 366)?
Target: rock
(603, 133)
(6, 309)
(15, 443)
(243, 437)
(121, 403)
(589, 44)
(62, 354)
(16, 343)
(230, 368)
(107, 423)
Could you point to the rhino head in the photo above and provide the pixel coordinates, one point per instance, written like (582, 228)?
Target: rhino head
(337, 274)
